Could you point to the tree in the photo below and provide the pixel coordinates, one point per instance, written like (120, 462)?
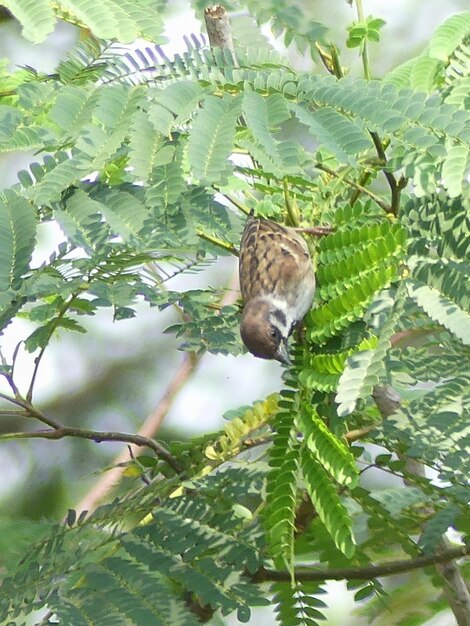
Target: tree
(139, 166)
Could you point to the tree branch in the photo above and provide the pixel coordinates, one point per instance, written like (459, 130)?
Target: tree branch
(395, 186)
(31, 411)
(305, 574)
(98, 436)
(456, 589)
(219, 30)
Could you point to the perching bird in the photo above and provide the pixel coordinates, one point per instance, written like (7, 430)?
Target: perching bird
(277, 282)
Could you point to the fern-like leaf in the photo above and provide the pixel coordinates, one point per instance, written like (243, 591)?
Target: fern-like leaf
(281, 487)
(17, 239)
(448, 35)
(441, 309)
(364, 368)
(36, 18)
(298, 604)
(327, 503)
(327, 449)
(454, 168)
(211, 139)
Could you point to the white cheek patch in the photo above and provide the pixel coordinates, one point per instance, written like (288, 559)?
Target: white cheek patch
(279, 317)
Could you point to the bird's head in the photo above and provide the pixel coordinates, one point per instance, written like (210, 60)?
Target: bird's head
(264, 330)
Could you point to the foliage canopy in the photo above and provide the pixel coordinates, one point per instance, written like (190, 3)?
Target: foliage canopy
(149, 163)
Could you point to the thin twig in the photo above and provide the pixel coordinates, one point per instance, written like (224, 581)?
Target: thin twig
(241, 207)
(53, 326)
(358, 433)
(395, 186)
(32, 411)
(304, 574)
(330, 59)
(13, 365)
(383, 205)
(293, 212)
(228, 247)
(8, 376)
(99, 437)
(16, 401)
(13, 413)
(365, 52)
(316, 231)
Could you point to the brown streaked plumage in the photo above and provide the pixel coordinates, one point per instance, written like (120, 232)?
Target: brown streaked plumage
(277, 284)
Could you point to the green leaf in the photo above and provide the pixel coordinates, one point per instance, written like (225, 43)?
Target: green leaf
(124, 213)
(449, 35)
(80, 220)
(334, 131)
(400, 76)
(424, 73)
(327, 449)
(454, 169)
(211, 139)
(442, 310)
(73, 108)
(435, 528)
(259, 113)
(181, 99)
(327, 503)
(364, 368)
(35, 16)
(281, 487)
(147, 148)
(17, 239)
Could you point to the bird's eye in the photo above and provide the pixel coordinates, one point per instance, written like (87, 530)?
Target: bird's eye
(274, 333)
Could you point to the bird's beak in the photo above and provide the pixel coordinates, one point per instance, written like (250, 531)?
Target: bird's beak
(281, 353)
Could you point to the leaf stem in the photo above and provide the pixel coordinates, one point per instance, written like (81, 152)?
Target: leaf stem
(228, 247)
(53, 326)
(364, 50)
(389, 568)
(292, 209)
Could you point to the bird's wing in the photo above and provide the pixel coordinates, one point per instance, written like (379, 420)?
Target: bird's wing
(271, 256)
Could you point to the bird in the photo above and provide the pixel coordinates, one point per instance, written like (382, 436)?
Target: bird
(277, 283)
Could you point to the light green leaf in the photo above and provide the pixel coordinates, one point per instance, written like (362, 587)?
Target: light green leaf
(211, 139)
(334, 131)
(442, 310)
(17, 239)
(364, 368)
(35, 16)
(424, 73)
(147, 148)
(124, 213)
(81, 222)
(255, 113)
(74, 107)
(448, 36)
(454, 169)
